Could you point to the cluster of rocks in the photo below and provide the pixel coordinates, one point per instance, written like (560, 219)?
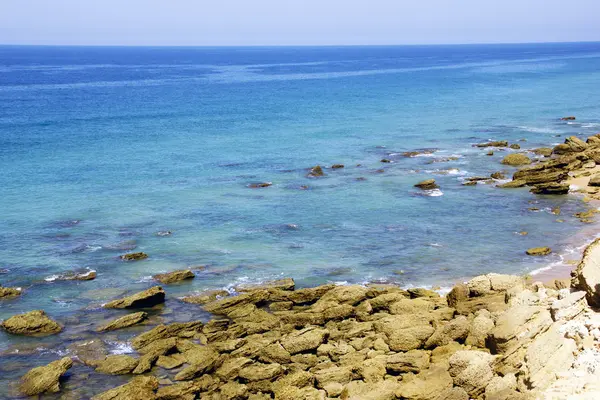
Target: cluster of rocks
(494, 337)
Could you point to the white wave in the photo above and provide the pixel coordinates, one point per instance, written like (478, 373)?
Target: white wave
(52, 278)
(434, 193)
(147, 278)
(533, 129)
(121, 348)
(591, 125)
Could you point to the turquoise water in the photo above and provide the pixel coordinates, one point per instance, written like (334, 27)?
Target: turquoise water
(102, 148)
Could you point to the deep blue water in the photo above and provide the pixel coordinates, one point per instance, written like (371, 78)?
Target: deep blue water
(103, 147)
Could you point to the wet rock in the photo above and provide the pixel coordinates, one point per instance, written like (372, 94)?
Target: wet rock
(516, 159)
(427, 184)
(33, 323)
(134, 256)
(575, 144)
(45, 379)
(498, 175)
(337, 166)
(538, 251)
(281, 284)
(227, 305)
(117, 365)
(385, 160)
(543, 151)
(148, 298)
(489, 153)
(205, 297)
(6, 292)
(175, 276)
(551, 188)
(498, 143)
(76, 275)
(124, 321)
(139, 388)
(164, 233)
(170, 362)
(160, 332)
(513, 184)
(569, 118)
(316, 171)
(259, 185)
(515, 146)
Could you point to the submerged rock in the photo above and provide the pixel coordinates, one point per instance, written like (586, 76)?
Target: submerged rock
(205, 297)
(134, 256)
(516, 159)
(75, 275)
(569, 118)
(427, 184)
(45, 379)
(124, 321)
(33, 323)
(175, 276)
(260, 185)
(515, 146)
(148, 298)
(498, 143)
(538, 251)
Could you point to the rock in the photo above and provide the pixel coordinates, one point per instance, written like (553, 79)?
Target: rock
(455, 393)
(227, 305)
(45, 379)
(426, 385)
(501, 384)
(333, 374)
(160, 332)
(412, 361)
(33, 323)
(205, 297)
(515, 146)
(543, 151)
(6, 292)
(538, 251)
(427, 184)
(575, 144)
(257, 372)
(124, 321)
(337, 166)
(569, 118)
(594, 181)
(480, 328)
(479, 286)
(471, 370)
(568, 307)
(587, 274)
(316, 171)
(385, 160)
(175, 276)
(517, 183)
(148, 298)
(134, 256)
(498, 175)
(117, 365)
(458, 293)
(303, 340)
(499, 143)
(258, 185)
(456, 329)
(170, 362)
(139, 388)
(358, 390)
(234, 390)
(516, 159)
(202, 359)
(516, 327)
(551, 188)
(77, 275)
(281, 284)
(231, 367)
(405, 332)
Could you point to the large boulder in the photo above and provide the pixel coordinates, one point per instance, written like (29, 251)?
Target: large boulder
(124, 321)
(139, 388)
(33, 323)
(551, 188)
(516, 159)
(517, 326)
(174, 276)
(45, 379)
(148, 298)
(456, 329)
(471, 370)
(405, 332)
(586, 276)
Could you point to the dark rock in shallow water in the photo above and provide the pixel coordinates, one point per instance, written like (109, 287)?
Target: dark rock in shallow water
(538, 251)
(134, 256)
(175, 276)
(148, 298)
(260, 185)
(7, 293)
(498, 175)
(76, 275)
(498, 143)
(551, 188)
(33, 323)
(337, 166)
(516, 159)
(515, 146)
(385, 160)
(316, 171)
(45, 379)
(569, 118)
(427, 184)
(164, 233)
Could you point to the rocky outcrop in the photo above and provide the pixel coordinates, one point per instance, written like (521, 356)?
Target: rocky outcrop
(551, 188)
(205, 297)
(175, 276)
(33, 323)
(117, 365)
(498, 143)
(139, 388)
(586, 276)
(45, 379)
(569, 118)
(258, 185)
(316, 172)
(516, 159)
(538, 251)
(427, 184)
(148, 298)
(543, 151)
(513, 184)
(124, 321)
(281, 284)
(134, 256)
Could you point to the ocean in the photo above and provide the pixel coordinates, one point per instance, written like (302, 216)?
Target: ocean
(103, 150)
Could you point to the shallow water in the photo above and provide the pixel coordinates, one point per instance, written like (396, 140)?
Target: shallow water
(102, 148)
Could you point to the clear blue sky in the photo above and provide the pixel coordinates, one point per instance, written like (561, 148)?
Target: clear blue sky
(293, 22)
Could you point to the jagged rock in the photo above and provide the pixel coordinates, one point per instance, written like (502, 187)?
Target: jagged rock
(76, 275)
(480, 328)
(499, 385)
(405, 332)
(426, 385)
(471, 370)
(479, 286)
(498, 175)
(187, 390)
(498, 143)
(45, 379)
(516, 159)
(231, 367)
(151, 353)
(227, 305)
(551, 188)
(517, 183)
(175, 276)
(351, 295)
(427, 184)
(177, 329)
(202, 360)
(458, 293)
(139, 388)
(517, 326)
(454, 393)
(275, 353)
(316, 171)
(6, 292)
(205, 297)
(335, 374)
(89, 352)
(574, 144)
(134, 256)
(148, 298)
(124, 321)
(33, 323)
(234, 390)
(587, 274)
(455, 330)
(117, 365)
(281, 284)
(412, 361)
(569, 306)
(538, 251)
(306, 339)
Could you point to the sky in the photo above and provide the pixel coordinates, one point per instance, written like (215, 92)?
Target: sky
(296, 22)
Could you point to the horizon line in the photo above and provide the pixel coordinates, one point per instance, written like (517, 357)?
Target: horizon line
(294, 45)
